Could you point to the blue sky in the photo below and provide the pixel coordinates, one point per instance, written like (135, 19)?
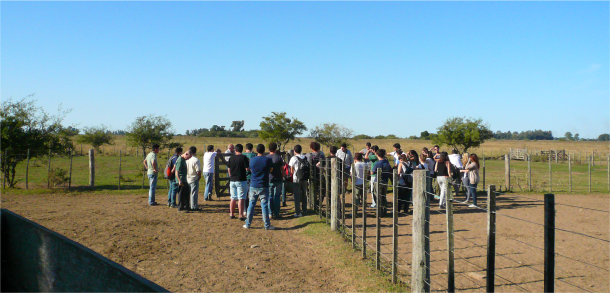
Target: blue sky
(378, 68)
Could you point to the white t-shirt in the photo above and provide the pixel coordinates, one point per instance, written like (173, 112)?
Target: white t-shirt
(396, 158)
(208, 162)
(192, 167)
(456, 160)
(294, 163)
(359, 169)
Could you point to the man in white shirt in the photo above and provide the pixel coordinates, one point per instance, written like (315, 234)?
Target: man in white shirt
(396, 154)
(193, 175)
(208, 171)
(346, 156)
(299, 188)
(359, 173)
(456, 160)
(366, 149)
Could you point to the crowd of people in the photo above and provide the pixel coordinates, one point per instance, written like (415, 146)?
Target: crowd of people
(255, 175)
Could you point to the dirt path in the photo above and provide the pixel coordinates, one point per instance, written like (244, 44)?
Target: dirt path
(200, 251)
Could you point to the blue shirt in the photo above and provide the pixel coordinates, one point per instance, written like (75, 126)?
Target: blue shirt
(260, 167)
(386, 170)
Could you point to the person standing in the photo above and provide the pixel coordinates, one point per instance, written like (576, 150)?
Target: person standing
(443, 171)
(237, 168)
(456, 160)
(396, 154)
(173, 185)
(249, 154)
(260, 166)
(193, 176)
(380, 192)
(346, 157)
(371, 155)
(315, 159)
(184, 189)
(365, 149)
(209, 159)
(358, 173)
(230, 150)
(472, 179)
(275, 181)
(299, 187)
(152, 167)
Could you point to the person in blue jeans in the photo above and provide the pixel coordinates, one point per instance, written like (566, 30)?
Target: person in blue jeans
(260, 167)
(173, 185)
(152, 167)
(275, 181)
(208, 171)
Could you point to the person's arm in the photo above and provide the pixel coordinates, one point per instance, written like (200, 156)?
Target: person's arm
(177, 176)
(155, 165)
(399, 168)
(229, 171)
(198, 175)
(145, 165)
(366, 156)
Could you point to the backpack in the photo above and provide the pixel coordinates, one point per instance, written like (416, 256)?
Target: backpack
(286, 173)
(168, 169)
(303, 171)
(455, 172)
(407, 175)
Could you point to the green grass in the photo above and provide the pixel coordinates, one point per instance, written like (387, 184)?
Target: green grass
(349, 260)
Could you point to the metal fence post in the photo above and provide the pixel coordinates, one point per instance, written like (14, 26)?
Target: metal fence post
(334, 217)
(327, 194)
(483, 170)
(549, 243)
(364, 196)
(354, 205)
(378, 226)
(570, 171)
(590, 159)
(550, 174)
(450, 244)
(320, 194)
(491, 237)
(394, 225)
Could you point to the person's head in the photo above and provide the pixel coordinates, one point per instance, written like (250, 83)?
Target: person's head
(249, 147)
(231, 147)
(332, 150)
(424, 151)
(403, 158)
(444, 157)
(375, 148)
(455, 151)
(436, 149)
(210, 148)
(272, 147)
(155, 148)
(193, 150)
(260, 148)
(396, 146)
(380, 153)
(422, 158)
(475, 158)
(358, 157)
(368, 145)
(187, 155)
(413, 155)
(239, 148)
(344, 147)
(178, 151)
(298, 149)
(399, 152)
(314, 146)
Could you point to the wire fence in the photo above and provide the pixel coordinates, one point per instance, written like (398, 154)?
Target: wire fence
(464, 252)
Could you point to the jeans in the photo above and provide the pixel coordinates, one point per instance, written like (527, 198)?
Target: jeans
(239, 189)
(152, 181)
(443, 183)
(275, 193)
(299, 190)
(254, 194)
(194, 196)
(171, 194)
(471, 190)
(209, 185)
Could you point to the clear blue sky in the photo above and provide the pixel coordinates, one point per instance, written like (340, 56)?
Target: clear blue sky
(378, 68)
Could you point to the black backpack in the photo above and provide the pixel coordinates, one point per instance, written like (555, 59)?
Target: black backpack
(407, 174)
(303, 172)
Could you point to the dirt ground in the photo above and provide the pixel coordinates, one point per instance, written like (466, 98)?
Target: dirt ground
(198, 251)
(519, 243)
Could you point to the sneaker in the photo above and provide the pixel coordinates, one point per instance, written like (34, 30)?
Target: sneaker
(472, 206)
(373, 206)
(284, 204)
(153, 204)
(245, 226)
(270, 228)
(297, 215)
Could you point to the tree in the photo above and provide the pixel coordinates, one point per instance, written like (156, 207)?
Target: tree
(576, 137)
(237, 126)
(27, 126)
(362, 136)
(604, 137)
(331, 134)
(568, 136)
(148, 130)
(425, 135)
(96, 136)
(280, 129)
(462, 133)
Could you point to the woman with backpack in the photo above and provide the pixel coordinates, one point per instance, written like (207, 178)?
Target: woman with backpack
(405, 183)
(443, 172)
(472, 171)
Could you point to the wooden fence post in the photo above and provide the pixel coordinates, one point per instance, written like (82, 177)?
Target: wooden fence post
(394, 224)
(550, 174)
(419, 267)
(70, 180)
(450, 244)
(217, 176)
(354, 205)
(27, 170)
(378, 222)
(91, 168)
(507, 171)
(483, 170)
(549, 243)
(529, 172)
(327, 193)
(120, 154)
(310, 198)
(491, 237)
(570, 171)
(364, 196)
(608, 165)
(589, 160)
(334, 194)
(320, 193)
(49, 171)
(343, 186)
